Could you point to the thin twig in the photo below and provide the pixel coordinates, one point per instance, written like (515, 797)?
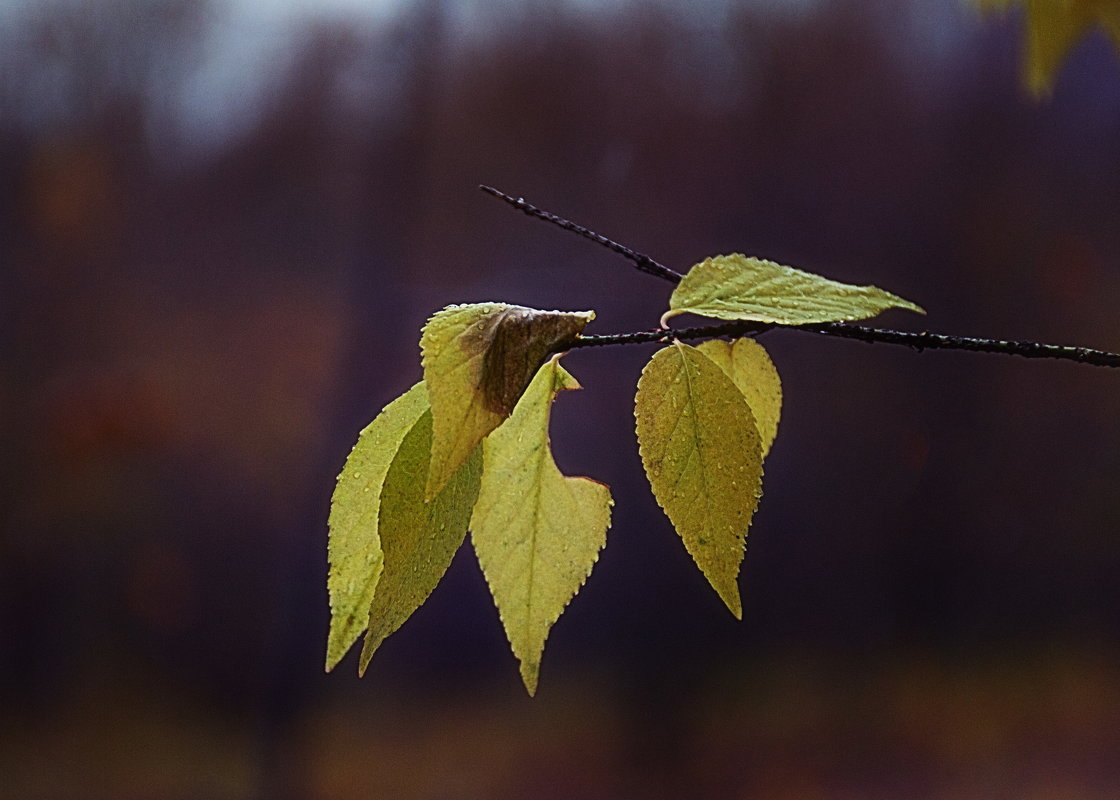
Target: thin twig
(737, 328)
(917, 341)
(941, 341)
(641, 260)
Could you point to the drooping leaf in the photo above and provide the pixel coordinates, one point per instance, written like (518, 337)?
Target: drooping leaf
(478, 359)
(1052, 29)
(738, 287)
(418, 539)
(354, 547)
(749, 366)
(537, 533)
(702, 454)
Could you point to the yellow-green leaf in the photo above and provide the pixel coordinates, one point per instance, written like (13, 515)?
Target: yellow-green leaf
(419, 539)
(537, 533)
(749, 366)
(478, 359)
(738, 287)
(1053, 28)
(702, 454)
(354, 548)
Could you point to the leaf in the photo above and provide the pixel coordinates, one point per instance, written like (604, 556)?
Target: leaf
(478, 359)
(1052, 29)
(702, 454)
(419, 539)
(749, 366)
(537, 533)
(738, 287)
(354, 548)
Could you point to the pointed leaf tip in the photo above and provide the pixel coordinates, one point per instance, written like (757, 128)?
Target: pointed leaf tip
(419, 539)
(537, 532)
(736, 287)
(478, 359)
(353, 544)
(702, 453)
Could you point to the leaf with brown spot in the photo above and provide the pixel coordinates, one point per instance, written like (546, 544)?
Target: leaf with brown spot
(478, 359)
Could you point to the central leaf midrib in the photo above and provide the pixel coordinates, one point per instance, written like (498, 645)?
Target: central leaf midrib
(696, 434)
(542, 451)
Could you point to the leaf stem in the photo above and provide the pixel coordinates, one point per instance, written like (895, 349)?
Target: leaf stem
(923, 340)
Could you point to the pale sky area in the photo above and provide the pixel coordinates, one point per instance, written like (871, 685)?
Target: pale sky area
(250, 43)
(253, 37)
(280, 9)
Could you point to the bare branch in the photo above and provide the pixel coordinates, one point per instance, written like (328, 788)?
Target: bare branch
(918, 341)
(641, 260)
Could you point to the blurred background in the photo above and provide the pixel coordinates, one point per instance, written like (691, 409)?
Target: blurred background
(222, 225)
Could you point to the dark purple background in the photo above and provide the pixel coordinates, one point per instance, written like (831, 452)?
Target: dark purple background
(198, 314)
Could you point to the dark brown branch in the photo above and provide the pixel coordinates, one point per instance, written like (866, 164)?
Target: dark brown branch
(941, 341)
(917, 341)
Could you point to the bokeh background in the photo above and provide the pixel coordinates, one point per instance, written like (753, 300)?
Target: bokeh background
(222, 225)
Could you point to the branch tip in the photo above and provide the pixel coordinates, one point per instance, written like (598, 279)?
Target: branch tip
(640, 260)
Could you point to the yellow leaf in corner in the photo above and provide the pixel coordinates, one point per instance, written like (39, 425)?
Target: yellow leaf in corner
(537, 533)
(738, 287)
(1052, 28)
(419, 539)
(478, 359)
(353, 546)
(702, 454)
(749, 366)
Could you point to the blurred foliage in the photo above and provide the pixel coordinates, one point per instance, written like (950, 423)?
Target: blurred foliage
(793, 724)
(1054, 27)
